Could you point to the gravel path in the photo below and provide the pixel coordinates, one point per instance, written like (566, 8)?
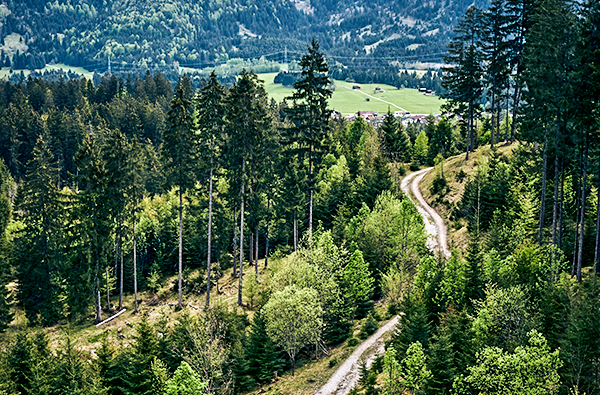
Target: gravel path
(346, 376)
(434, 224)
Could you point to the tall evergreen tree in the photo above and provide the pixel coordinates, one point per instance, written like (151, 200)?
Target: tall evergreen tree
(210, 114)
(463, 81)
(39, 254)
(310, 115)
(179, 153)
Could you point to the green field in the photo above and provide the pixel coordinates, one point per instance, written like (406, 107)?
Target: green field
(349, 101)
(5, 71)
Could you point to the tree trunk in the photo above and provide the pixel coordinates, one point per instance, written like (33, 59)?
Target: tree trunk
(543, 193)
(516, 100)
(98, 305)
(218, 274)
(179, 282)
(576, 240)
(310, 187)
(295, 231)
(469, 127)
(107, 291)
(135, 284)
(267, 231)
(597, 252)
(507, 119)
(241, 273)
(208, 249)
(256, 254)
(493, 114)
(583, 198)
(561, 200)
(235, 241)
(120, 246)
(251, 248)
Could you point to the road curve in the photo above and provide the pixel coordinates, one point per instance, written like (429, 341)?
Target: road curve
(434, 224)
(346, 376)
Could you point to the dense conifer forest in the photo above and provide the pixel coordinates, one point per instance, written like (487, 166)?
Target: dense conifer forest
(125, 186)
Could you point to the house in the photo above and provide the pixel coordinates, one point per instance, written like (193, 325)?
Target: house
(422, 90)
(355, 87)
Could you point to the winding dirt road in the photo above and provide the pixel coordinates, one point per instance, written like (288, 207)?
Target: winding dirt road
(434, 224)
(346, 376)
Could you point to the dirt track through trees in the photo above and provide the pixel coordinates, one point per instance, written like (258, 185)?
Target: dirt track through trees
(434, 224)
(346, 376)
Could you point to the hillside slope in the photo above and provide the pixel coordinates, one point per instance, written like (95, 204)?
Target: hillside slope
(159, 33)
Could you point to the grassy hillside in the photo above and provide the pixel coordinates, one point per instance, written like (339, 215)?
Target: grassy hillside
(349, 101)
(457, 229)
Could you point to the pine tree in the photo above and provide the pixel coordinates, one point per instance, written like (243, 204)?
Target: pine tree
(210, 114)
(463, 81)
(310, 115)
(264, 357)
(388, 132)
(179, 153)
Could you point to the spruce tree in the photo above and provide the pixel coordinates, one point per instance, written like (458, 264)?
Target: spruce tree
(179, 154)
(388, 132)
(210, 114)
(310, 114)
(463, 81)
(38, 254)
(264, 357)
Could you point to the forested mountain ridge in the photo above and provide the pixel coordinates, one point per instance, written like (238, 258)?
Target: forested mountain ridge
(159, 33)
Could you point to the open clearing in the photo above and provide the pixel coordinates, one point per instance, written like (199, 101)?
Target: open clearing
(349, 101)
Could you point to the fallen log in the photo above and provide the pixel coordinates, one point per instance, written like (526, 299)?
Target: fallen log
(111, 318)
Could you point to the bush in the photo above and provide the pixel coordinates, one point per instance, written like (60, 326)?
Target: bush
(439, 186)
(353, 342)
(332, 362)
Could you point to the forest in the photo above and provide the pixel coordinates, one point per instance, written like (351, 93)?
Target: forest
(162, 35)
(129, 185)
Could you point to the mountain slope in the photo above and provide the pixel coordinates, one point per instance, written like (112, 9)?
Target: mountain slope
(159, 33)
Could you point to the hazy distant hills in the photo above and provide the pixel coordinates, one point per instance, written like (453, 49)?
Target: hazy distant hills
(200, 33)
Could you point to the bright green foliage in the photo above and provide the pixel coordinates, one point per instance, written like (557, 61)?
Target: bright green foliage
(185, 382)
(421, 148)
(505, 317)
(441, 140)
(452, 288)
(358, 280)
(251, 288)
(160, 376)
(293, 319)
(333, 186)
(369, 327)
(394, 284)
(391, 373)
(413, 369)
(392, 233)
(531, 369)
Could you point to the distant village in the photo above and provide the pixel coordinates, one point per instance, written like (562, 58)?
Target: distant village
(376, 118)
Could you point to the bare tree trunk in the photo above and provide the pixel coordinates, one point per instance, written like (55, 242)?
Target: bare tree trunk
(597, 252)
(583, 199)
(98, 305)
(120, 244)
(218, 274)
(506, 137)
(493, 114)
(241, 273)
(516, 100)
(235, 241)
(543, 193)
(470, 129)
(555, 201)
(208, 249)
(295, 231)
(180, 282)
(267, 231)
(576, 241)
(251, 249)
(310, 187)
(561, 200)
(256, 254)
(135, 284)
(107, 291)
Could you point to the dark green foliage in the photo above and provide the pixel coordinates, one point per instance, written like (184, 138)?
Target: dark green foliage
(138, 375)
(6, 314)
(352, 341)
(413, 325)
(264, 357)
(368, 328)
